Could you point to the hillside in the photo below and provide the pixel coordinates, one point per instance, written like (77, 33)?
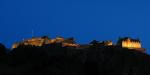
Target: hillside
(54, 59)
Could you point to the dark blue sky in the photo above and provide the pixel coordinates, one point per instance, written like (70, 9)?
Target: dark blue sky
(83, 19)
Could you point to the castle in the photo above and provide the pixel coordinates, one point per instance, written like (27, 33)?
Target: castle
(40, 41)
(125, 42)
(130, 44)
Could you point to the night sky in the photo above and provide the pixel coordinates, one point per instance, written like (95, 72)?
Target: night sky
(84, 20)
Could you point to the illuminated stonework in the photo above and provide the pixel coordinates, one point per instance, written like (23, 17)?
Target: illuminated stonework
(70, 45)
(33, 41)
(40, 41)
(133, 44)
(107, 43)
(129, 43)
(15, 45)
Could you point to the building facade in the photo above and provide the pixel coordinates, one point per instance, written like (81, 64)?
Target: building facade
(130, 44)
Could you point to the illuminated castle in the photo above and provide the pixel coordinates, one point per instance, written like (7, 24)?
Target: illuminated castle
(40, 41)
(130, 43)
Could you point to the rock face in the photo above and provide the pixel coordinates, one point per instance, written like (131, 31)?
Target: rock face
(2, 50)
(53, 59)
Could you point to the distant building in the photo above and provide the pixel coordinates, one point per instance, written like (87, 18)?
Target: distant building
(70, 42)
(130, 43)
(103, 43)
(107, 43)
(40, 41)
(126, 42)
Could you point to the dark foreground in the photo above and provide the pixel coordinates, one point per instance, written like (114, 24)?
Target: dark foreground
(57, 60)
